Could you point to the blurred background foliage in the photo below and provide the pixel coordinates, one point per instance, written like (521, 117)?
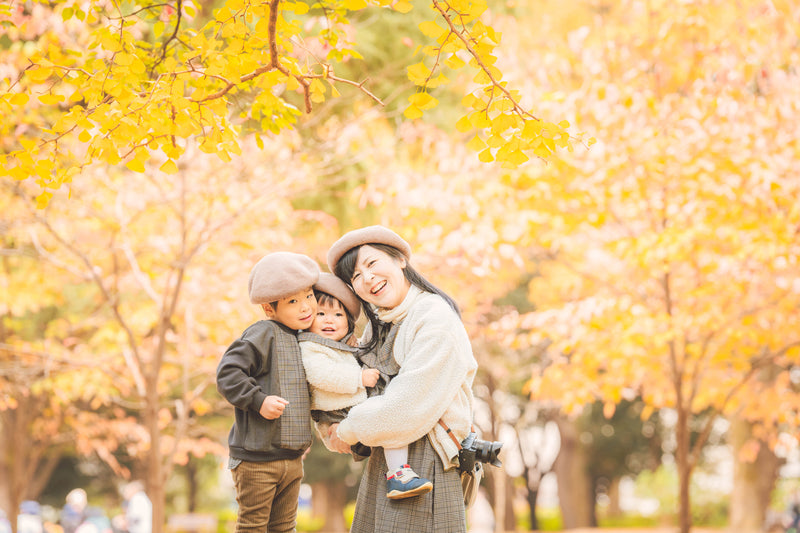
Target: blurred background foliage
(633, 305)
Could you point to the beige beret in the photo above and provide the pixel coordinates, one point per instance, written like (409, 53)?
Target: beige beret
(368, 235)
(330, 284)
(281, 274)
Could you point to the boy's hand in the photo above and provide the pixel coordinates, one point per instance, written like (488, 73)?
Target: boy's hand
(273, 407)
(369, 377)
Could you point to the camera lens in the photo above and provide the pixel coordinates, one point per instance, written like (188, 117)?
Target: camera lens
(487, 452)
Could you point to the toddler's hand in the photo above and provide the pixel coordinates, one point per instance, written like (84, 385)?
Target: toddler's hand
(273, 407)
(369, 377)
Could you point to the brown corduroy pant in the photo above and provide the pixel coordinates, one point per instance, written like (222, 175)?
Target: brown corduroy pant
(267, 495)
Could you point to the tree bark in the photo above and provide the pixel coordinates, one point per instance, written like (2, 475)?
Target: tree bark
(614, 508)
(684, 466)
(575, 489)
(753, 481)
(511, 518)
(328, 498)
(26, 466)
(532, 497)
(155, 478)
(191, 485)
(498, 484)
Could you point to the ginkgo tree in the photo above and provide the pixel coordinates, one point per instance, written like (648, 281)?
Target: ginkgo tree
(127, 83)
(669, 252)
(157, 305)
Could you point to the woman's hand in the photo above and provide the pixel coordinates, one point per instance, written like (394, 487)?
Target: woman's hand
(337, 444)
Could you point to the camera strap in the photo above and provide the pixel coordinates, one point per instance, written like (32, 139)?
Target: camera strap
(450, 432)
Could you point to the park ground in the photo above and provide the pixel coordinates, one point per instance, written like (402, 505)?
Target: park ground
(663, 529)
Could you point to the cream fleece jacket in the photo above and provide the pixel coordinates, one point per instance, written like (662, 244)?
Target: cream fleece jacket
(437, 369)
(334, 377)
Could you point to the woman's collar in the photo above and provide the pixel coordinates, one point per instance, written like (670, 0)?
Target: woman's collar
(399, 312)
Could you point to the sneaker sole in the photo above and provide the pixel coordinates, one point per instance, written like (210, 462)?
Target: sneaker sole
(399, 495)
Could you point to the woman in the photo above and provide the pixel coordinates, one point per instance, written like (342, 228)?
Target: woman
(421, 347)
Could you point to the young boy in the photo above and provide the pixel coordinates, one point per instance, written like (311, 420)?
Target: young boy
(261, 374)
(338, 381)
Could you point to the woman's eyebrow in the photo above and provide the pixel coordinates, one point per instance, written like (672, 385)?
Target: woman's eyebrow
(367, 258)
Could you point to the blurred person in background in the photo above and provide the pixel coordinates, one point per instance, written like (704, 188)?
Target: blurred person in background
(5, 525)
(29, 519)
(138, 508)
(73, 511)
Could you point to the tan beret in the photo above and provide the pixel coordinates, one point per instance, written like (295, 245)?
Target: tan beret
(367, 235)
(281, 274)
(330, 284)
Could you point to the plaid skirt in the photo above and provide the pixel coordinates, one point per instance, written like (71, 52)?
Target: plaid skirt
(441, 510)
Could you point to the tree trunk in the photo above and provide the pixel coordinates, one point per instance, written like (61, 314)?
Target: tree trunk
(510, 518)
(191, 484)
(24, 468)
(155, 477)
(575, 490)
(496, 477)
(753, 481)
(532, 496)
(328, 498)
(682, 460)
(14, 483)
(614, 508)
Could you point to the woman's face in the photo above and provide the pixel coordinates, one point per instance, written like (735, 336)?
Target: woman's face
(378, 278)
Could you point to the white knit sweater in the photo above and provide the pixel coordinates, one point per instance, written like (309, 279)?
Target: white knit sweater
(334, 377)
(437, 369)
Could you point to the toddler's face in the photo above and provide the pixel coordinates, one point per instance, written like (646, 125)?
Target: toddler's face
(331, 320)
(296, 311)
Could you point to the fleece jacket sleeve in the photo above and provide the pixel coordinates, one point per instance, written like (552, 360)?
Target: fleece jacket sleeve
(242, 374)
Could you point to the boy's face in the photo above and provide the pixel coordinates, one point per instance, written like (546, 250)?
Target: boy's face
(296, 311)
(331, 320)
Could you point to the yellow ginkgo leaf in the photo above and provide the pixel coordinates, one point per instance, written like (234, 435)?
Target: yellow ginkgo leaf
(464, 124)
(169, 167)
(454, 62)
(412, 112)
(418, 73)
(51, 99)
(486, 156)
(354, 5)
(136, 165)
(402, 6)
(430, 29)
(422, 100)
(476, 144)
(43, 199)
(19, 99)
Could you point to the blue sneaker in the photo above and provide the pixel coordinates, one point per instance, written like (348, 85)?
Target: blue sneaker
(405, 483)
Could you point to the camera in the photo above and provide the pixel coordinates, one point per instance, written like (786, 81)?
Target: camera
(473, 450)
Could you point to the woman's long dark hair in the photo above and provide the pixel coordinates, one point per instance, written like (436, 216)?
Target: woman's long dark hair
(347, 265)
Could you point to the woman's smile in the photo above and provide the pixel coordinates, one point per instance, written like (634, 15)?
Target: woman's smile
(378, 288)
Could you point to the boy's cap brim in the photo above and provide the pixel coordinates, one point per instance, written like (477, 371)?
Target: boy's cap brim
(281, 274)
